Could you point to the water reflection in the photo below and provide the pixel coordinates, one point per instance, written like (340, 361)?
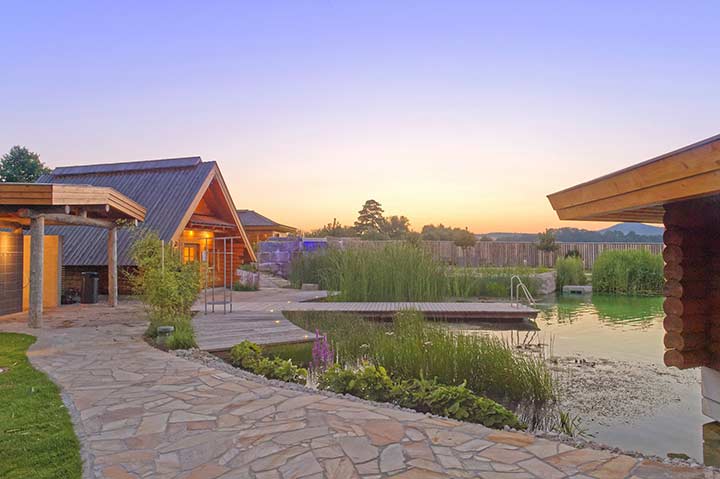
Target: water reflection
(622, 337)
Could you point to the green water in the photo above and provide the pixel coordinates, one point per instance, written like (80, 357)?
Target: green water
(627, 329)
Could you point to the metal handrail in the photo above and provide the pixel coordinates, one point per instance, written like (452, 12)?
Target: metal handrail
(515, 290)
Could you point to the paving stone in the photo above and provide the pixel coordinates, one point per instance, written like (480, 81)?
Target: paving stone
(339, 468)
(384, 432)
(301, 466)
(506, 456)
(511, 438)
(542, 469)
(392, 458)
(358, 449)
(301, 435)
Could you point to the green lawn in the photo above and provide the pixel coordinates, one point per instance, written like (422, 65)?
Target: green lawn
(36, 436)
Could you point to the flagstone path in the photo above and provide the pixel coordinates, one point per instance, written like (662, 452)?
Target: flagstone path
(143, 413)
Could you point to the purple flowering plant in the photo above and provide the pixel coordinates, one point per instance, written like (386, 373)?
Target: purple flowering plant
(322, 353)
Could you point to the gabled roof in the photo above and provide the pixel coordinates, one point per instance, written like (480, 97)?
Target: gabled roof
(252, 219)
(168, 189)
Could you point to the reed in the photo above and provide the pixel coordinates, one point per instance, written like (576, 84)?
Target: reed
(570, 271)
(632, 272)
(400, 272)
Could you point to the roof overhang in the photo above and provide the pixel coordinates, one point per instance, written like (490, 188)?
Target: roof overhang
(276, 227)
(639, 193)
(19, 201)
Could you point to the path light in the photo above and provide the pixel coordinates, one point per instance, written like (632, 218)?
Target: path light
(277, 321)
(164, 332)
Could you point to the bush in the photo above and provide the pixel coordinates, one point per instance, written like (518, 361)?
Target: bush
(281, 369)
(457, 402)
(245, 354)
(569, 270)
(368, 382)
(167, 287)
(248, 355)
(630, 272)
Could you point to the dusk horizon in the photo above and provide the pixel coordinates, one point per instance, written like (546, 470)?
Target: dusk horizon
(441, 114)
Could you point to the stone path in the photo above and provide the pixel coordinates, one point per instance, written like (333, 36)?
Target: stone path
(143, 413)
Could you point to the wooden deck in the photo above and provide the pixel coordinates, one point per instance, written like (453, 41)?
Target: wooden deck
(258, 316)
(467, 311)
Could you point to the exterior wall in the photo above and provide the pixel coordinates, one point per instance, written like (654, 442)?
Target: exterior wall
(52, 272)
(11, 277)
(256, 236)
(72, 278)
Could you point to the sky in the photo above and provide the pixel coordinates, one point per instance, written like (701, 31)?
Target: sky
(465, 113)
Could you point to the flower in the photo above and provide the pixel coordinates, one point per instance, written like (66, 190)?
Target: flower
(390, 333)
(365, 346)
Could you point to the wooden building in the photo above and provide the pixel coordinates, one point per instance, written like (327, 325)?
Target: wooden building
(681, 190)
(188, 204)
(34, 206)
(259, 227)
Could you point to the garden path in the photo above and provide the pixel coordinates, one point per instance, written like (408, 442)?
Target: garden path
(142, 413)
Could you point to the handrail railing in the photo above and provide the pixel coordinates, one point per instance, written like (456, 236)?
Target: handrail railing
(515, 290)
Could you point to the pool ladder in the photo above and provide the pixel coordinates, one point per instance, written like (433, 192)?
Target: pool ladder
(517, 287)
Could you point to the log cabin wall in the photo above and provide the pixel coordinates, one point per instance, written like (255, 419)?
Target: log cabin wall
(692, 288)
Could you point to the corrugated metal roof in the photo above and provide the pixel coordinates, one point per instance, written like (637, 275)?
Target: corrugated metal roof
(166, 188)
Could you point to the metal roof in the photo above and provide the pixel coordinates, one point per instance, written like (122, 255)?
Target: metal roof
(166, 188)
(251, 218)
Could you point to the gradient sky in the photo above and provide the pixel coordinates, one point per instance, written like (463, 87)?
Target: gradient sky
(466, 113)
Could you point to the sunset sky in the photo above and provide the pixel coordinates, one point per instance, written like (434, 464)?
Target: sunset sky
(462, 113)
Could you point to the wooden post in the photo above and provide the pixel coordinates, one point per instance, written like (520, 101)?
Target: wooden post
(37, 253)
(112, 268)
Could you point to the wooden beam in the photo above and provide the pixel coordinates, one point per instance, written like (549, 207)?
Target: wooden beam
(112, 268)
(37, 253)
(68, 219)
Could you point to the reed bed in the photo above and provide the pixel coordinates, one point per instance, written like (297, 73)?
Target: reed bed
(400, 272)
(410, 348)
(632, 272)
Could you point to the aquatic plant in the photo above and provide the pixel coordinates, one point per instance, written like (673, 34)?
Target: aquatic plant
(411, 348)
(400, 272)
(631, 272)
(569, 270)
(322, 352)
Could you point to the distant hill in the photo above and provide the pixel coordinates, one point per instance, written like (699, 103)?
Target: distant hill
(637, 228)
(620, 233)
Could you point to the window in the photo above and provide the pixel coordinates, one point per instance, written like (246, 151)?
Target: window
(191, 252)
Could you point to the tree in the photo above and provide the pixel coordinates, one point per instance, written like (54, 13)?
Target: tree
(461, 237)
(334, 229)
(546, 241)
(21, 165)
(397, 227)
(370, 218)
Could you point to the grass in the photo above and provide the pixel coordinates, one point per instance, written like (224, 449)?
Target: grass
(36, 436)
(411, 348)
(401, 272)
(632, 272)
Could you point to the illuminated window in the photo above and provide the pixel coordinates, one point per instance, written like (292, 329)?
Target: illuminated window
(191, 252)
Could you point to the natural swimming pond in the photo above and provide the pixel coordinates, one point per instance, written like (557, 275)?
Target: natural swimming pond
(609, 362)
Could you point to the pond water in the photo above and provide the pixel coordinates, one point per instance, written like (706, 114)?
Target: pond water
(609, 357)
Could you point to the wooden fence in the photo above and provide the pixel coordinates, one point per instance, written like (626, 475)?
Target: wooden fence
(504, 253)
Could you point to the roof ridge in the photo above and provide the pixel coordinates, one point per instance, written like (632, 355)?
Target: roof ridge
(128, 166)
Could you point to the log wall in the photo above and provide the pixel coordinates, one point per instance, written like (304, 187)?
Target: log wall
(692, 288)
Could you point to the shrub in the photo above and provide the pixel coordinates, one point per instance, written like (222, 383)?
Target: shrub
(569, 270)
(457, 402)
(281, 369)
(368, 382)
(248, 355)
(630, 272)
(245, 354)
(167, 287)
